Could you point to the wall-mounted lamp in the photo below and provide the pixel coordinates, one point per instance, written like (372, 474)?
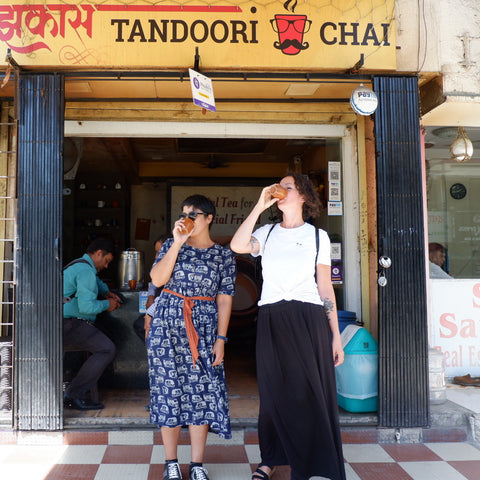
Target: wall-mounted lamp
(363, 100)
(461, 148)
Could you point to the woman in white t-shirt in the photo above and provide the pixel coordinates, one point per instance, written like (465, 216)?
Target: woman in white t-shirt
(298, 339)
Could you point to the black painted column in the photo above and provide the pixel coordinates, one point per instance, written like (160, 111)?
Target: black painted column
(38, 306)
(402, 315)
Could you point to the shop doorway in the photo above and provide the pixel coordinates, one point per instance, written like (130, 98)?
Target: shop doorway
(134, 214)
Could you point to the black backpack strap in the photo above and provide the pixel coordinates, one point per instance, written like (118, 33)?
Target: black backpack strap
(73, 262)
(317, 243)
(258, 260)
(268, 234)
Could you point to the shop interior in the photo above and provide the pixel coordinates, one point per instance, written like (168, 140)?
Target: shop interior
(453, 193)
(117, 188)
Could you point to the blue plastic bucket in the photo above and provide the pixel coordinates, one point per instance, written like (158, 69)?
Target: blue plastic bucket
(346, 318)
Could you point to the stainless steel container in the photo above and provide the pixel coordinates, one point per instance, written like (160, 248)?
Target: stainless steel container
(131, 266)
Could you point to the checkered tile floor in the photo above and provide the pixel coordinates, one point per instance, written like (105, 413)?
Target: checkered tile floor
(138, 455)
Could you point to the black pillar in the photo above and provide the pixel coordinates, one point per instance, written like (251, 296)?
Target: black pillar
(38, 306)
(402, 310)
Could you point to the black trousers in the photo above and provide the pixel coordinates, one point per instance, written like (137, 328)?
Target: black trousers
(80, 335)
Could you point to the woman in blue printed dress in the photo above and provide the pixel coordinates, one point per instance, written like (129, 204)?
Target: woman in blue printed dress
(187, 336)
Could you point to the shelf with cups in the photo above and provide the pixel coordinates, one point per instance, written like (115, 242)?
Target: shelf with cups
(101, 210)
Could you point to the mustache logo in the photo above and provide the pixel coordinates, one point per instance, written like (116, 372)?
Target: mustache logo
(291, 42)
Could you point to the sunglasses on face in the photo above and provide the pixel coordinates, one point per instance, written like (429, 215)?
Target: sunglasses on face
(192, 215)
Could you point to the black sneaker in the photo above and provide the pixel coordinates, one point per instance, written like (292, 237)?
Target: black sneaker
(172, 471)
(198, 473)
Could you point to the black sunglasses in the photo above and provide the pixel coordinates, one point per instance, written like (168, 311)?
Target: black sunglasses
(193, 215)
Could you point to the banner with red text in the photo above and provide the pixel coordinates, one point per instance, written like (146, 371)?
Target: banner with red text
(455, 324)
(311, 34)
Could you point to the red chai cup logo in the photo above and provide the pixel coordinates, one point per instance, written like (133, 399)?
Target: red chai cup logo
(290, 29)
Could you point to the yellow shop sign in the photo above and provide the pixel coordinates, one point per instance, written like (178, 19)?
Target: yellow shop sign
(313, 34)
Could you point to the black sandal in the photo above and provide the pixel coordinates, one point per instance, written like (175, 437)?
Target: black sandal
(259, 474)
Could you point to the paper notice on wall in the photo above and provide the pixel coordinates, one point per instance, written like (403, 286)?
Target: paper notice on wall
(335, 209)
(334, 191)
(336, 251)
(334, 185)
(337, 274)
(334, 172)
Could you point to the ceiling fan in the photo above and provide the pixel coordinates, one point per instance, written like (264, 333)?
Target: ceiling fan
(214, 162)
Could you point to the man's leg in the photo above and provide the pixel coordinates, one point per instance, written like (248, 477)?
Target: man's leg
(80, 335)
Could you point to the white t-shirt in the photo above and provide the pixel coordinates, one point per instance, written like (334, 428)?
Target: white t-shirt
(288, 263)
(437, 272)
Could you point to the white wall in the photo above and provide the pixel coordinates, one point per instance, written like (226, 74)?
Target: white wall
(443, 36)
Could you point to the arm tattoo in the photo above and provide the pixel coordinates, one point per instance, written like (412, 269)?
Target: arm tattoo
(253, 243)
(328, 305)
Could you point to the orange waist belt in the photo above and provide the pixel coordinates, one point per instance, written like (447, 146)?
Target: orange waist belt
(188, 303)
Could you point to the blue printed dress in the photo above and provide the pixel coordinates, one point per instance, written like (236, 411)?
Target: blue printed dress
(181, 393)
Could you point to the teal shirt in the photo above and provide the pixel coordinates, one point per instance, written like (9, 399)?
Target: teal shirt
(82, 280)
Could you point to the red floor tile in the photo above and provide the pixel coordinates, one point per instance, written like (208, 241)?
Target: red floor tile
(72, 472)
(468, 468)
(250, 437)
(380, 471)
(128, 454)
(411, 453)
(439, 434)
(225, 454)
(359, 436)
(85, 438)
(156, 472)
(157, 437)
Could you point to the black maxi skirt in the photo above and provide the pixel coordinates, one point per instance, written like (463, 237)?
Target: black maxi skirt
(298, 422)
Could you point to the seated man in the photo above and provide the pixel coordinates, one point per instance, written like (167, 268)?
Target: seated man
(153, 292)
(436, 254)
(85, 296)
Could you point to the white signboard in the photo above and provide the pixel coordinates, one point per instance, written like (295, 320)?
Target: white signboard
(202, 90)
(233, 204)
(455, 324)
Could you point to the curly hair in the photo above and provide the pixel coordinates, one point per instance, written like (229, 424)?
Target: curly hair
(312, 205)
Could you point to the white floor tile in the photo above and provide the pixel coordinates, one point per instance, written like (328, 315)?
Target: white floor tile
(28, 471)
(350, 473)
(158, 454)
(35, 454)
(363, 453)
(431, 471)
(83, 454)
(253, 453)
(455, 451)
(237, 439)
(228, 471)
(468, 397)
(123, 472)
(5, 451)
(40, 438)
(134, 437)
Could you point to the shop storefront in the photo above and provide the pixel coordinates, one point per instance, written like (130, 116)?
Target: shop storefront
(109, 139)
(453, 235)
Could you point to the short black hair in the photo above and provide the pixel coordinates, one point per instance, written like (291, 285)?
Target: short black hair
(201, 202)
(103, 244)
